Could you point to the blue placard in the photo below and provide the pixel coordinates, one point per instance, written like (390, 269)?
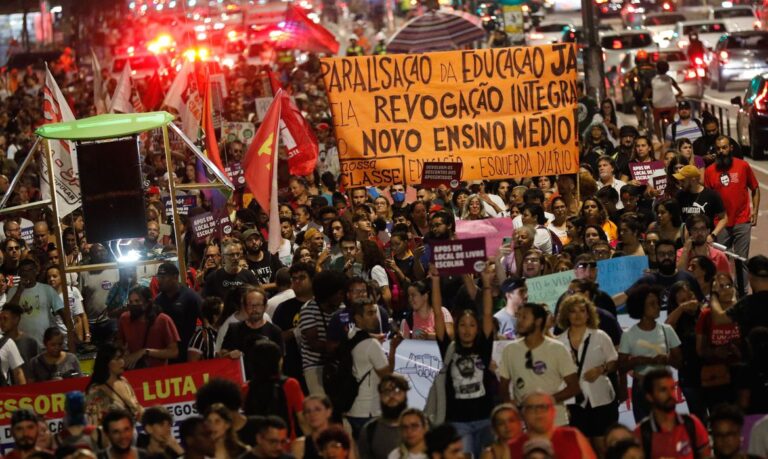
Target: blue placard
(618, 274)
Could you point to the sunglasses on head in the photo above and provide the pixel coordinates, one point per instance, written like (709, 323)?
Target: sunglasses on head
(529, 360)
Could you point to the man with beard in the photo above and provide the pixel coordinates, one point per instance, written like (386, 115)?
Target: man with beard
(180, 303)
(666, 275)
(627, 136)
(696, 199)
(686, 127)
(442, 227)
(537, 362)
(369, 362)
(117, 424)
(665, 433)
(699, 243)
(734, 179)
(226, 281)
(240, 336)
(705, 145)
(341, 322)
(382, 434)
(211, 262)
(147, 335)
(261, 263)
(287, 316)
(24, 430)
(153, 234)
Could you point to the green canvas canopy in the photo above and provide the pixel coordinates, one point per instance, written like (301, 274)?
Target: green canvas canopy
(105, 126)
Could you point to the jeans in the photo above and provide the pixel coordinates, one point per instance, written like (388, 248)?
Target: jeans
(475, 435)
(737, 239)
(314, 378)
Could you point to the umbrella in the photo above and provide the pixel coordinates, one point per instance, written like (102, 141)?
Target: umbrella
(437, 31)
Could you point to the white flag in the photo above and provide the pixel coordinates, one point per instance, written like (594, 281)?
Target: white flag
(66, 175)
(174, 97)
(184, 97)
(121, 99)
(98, 86)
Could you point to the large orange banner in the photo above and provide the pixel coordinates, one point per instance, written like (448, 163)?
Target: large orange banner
(505, 112)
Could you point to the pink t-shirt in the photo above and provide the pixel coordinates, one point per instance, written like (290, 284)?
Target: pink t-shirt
(427, 324)
(717, 257)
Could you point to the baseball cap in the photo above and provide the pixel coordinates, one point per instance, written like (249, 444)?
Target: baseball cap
(688, 171)
(22, 415)
(684, 104)
(758, 266)
(168, 269)
(249, 233)
(626, 131)
(511, 284)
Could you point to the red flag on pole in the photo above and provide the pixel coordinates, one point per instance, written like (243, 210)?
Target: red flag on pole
(211, 146)
(154, 95)
(302, 144)
(259, 162)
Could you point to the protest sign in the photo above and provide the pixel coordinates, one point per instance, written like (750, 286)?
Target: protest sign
(642, 172)
(203, 225)
(618, 274)
(493, 230)
(503, 112)
(234, 172)
(231, 131)
(548, 289)
(659, 182)
(223, 224)
(27, 234)
(435, 174)
(459, 256)
(698, 161)
(173, 386)
(183, 204)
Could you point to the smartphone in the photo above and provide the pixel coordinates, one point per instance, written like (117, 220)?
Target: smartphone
(418, 240)
(506, 240)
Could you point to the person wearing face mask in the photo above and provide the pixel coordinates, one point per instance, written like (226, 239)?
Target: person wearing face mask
(734, 180)
(397, 192)
(149, 337)
(704, 146)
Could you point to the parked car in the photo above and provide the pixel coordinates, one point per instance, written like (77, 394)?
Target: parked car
(662, 26)
(738, 17)
(691, 79)
(547, 32)
(617, 45)
(739, 56)
(709, 32)
(752, 119)
(608, 8)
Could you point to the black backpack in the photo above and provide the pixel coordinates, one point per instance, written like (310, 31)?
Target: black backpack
(339, 383)
(646, 434)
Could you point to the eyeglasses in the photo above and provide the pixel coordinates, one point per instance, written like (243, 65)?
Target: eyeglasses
(392, 391)
(12, 248)
(586, 265)
(539, 407)
(726, 286)
(529, 360)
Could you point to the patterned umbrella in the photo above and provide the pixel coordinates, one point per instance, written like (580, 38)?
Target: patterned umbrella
(437, 31)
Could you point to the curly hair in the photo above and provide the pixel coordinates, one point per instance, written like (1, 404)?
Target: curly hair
(568, 305)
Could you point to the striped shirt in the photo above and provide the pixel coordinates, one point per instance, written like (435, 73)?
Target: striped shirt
(202, 342)
(311, 316)
(691, 131)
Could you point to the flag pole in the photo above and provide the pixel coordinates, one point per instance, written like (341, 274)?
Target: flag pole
(19, 173)
(180, 247)
(60, 242)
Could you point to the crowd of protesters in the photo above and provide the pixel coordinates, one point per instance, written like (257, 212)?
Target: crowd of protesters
(353, 272)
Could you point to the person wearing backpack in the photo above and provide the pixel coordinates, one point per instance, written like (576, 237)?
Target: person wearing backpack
(369, 364)
(666, 433)
(686, 126)
(463, 392)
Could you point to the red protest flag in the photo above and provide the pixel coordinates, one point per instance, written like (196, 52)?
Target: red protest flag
(154, 95)
(302, 144)
(259, 162)
(211, 146)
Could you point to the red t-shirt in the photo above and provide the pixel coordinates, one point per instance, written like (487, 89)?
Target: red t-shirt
(676, 443)
(162, 333)
(733, 188)
(716, 334)
(564, 441)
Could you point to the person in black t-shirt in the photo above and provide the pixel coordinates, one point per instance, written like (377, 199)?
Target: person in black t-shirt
(262, 264)
(287, 317)
(241, 336)
(226, 281)
(695, 199)
(180, 303)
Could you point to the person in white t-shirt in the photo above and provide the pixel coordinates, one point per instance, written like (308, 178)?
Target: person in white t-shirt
(11, 363)
(537, 362)
(369, 362)
(413, 426)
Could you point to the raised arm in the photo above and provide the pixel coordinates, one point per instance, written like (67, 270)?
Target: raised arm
(437, 303)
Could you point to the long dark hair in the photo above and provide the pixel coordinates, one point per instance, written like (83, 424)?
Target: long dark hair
(263, 398)
(613, 110)
(372, 255)
(107, 352)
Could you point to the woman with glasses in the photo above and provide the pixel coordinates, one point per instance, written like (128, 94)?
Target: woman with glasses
(462, 393)
(383, 210)
(646, 344)
(413, 426)
(507, 426)
(595, 357)
(719, 347)
(558, 225)
(317, 414)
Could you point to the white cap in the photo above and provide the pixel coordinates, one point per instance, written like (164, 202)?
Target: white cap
(380, 36)
(353, 37)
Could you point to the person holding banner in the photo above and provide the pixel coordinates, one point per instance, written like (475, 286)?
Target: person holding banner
(464, 396)
(108, 388)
